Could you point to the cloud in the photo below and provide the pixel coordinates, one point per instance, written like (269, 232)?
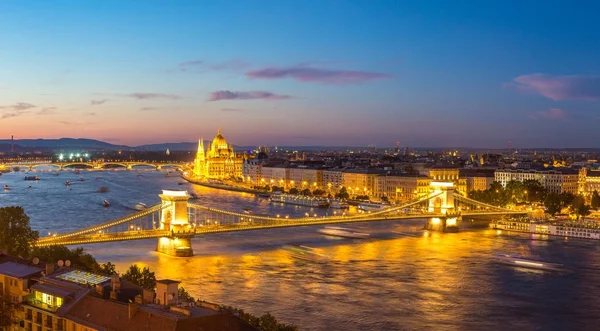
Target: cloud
(98, 102)
(19, 106)
(317, 75)
(203, 66)
(47, 111)
(550, 114)
(143, 96)
(66, 122)
(574, 87)
(90, 114)
(18, 109)
(149, 108)
(229, 95)
(231, 109)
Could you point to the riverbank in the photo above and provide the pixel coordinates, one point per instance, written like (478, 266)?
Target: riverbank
(222, 186)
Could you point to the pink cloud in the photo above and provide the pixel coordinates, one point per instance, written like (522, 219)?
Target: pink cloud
(550, 114)
(316, 75)
(574, 87)
(229, 95)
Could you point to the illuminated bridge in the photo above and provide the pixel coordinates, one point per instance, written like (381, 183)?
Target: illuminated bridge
(176, 220)
(129, 165)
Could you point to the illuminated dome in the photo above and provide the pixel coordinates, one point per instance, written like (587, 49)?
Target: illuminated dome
(219, 142)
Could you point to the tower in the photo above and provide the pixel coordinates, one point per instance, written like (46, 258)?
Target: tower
(174, 219)
(12, 144)
(200, 160)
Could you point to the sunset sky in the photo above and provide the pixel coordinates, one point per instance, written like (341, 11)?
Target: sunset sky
(303, 72)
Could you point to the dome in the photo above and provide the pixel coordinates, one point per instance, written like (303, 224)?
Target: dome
(219, 142)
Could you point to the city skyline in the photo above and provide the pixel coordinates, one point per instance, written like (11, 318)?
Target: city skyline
(341, 73)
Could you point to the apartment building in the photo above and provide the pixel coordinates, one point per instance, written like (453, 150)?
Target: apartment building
(555, 180)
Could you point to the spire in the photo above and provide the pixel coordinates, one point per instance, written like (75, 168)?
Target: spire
(218, 131)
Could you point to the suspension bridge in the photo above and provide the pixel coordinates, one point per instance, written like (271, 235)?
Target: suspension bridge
(176, 220)
(97, 165)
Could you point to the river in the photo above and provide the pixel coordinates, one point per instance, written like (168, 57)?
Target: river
(433, 281)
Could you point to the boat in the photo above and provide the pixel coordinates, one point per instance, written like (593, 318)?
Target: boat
(300, 200)
(194, 196)
(338, 204)
(305, 253)
(583, 230)
(181, 183)
(77, 172)
(370, 206)
(106, 203)
(342, 232)
(103, 189)
(140, 206)
(81, 179)
(32, 177)
(529, 262)
(67, 183)
(56, 174)
(264, 195)
(247, 210)
(6, 187)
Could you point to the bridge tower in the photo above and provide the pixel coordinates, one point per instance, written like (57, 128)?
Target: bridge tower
(174, 218)
(443, 203)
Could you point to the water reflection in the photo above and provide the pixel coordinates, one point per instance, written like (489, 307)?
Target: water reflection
(433, 281)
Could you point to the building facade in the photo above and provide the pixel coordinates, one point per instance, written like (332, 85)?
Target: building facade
(333, 180)
(449, 174)
(359, 181)
(402, 187)
(557, 181)
(218, 161)
(303, 177)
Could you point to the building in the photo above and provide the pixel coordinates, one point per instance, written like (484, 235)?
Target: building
(449, 174)
(556, 180)
(360, 181)
(401, 187)
(303, 177)
(589, 181)
(218, 161)
(66, 299)
(274, 175)
(333, 180)
(478, 179)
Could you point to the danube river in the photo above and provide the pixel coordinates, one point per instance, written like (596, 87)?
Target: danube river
(389, 282)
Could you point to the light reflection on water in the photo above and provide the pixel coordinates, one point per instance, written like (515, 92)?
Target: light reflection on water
(389, 282)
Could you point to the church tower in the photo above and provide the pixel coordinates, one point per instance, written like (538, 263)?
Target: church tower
(200, 161)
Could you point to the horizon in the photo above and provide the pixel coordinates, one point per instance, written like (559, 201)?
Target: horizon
(429, 73)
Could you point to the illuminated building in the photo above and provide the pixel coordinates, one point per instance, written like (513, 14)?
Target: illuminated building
(303, 177)
(359, 181)
(589, 181)
(557, 181)
(66, 299)
(218, 161)
(478, 179)
(333, 179)
(402, 187)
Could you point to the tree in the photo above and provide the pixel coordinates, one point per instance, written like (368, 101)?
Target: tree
(305, 192)
(141, 277)
(267, 322)
(553, 203)
(579, 207)
(8, 312)
(534, 190)
(16, 235)
(318, 192)
(184, 295)
(107, 269)
(343, 194)
(595, 200)
(294, 190)
(78, 257)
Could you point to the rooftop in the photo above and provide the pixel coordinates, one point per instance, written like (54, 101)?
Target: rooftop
(83, 277)
(167, 281)
(17, 270)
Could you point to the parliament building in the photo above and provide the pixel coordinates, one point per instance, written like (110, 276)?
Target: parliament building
(218, 161)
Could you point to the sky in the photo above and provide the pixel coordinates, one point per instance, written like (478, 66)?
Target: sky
(303, 72)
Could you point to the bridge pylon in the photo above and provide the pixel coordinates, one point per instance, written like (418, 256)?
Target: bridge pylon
(174, 218)
(443, 202)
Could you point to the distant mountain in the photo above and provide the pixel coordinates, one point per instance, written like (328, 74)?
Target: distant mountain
(183, 146)
(62, 143)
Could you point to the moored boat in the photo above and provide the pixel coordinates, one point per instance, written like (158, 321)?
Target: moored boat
(301, 200)
(305, 253)
(338, 204)
(584, 230)
(369, 206)
(342, 232)
(32, 177)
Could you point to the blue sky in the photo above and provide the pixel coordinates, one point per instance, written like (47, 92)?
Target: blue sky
(424, 73)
